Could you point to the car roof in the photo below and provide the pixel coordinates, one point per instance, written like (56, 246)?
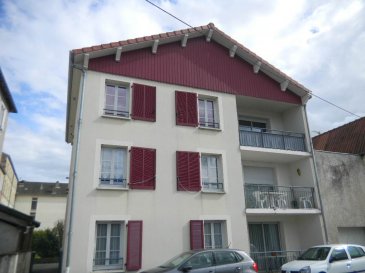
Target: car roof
(338, 245)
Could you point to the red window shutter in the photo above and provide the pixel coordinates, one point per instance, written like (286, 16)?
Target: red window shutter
(186, 108)
(144, 102)
(134, 246)
(143, 168)
(196, 234)
(188, 171)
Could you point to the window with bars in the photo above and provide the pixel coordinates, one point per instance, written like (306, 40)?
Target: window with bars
(213, 234)
(208, 113)
(211, 173)
(116, 100)
(108, 245)
(113, 166)
(33, 206)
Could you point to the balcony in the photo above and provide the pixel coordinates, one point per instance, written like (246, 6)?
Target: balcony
(273, 139)
(263, 196)
(273, 260)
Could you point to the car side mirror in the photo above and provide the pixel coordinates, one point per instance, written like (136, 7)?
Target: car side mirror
(186, 268)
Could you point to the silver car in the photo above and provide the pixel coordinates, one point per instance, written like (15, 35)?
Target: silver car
(208, 261)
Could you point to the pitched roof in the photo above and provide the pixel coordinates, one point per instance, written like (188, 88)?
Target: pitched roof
(348, 138)
(16, 218)
(5, 92)
(42, 188)
(174, 36)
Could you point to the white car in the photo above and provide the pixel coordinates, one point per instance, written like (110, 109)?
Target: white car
(328, 259)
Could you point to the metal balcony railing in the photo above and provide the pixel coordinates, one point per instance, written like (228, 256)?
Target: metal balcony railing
(111, 263)
(122, 182)
(114, 112)
(273, 260)
(213, 186)
(269, 196)
(274, 139)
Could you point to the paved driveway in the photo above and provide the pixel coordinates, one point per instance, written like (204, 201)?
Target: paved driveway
(45, 268)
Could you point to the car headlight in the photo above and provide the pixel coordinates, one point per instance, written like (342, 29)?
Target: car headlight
(306, 269)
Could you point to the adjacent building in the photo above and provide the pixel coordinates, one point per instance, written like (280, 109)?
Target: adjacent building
(9, 180)
(185, 140)
(341, 169)
(46, 202)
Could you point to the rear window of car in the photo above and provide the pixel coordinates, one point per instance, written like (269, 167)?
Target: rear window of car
(356, 252)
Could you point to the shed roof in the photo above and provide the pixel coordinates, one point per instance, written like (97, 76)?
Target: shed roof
(348, 138)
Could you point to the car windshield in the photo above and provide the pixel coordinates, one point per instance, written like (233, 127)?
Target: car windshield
(176, 261)
(315, 254)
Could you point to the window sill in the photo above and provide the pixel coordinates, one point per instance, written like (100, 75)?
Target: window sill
(111, 187)
(115, 117)
(210, 128)
(212, 191)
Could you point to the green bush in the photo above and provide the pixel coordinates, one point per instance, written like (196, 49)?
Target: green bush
(47, 243)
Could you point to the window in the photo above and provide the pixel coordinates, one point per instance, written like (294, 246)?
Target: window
(208, 114)
(33, 214)
(34, 204)
(225, 257)
(113, 166)
(211, 173)
(254, 126)
(213, 235)
(339, 254)
(116, 100)
(108, 245)
(355, 252)
(200, 260)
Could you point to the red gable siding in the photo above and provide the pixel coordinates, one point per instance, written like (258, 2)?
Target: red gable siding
(200, 64)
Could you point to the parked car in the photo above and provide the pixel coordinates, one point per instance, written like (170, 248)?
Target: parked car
(329, 259)
(213, 260)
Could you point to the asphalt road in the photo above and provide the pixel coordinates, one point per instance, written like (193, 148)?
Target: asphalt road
(45, 268)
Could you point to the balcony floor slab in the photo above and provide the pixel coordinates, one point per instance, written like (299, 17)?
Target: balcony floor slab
(280, 211)
(271, 155)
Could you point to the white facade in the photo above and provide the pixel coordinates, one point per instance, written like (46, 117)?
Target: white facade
(166, 212)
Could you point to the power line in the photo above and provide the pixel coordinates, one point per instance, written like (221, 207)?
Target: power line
(331, 103)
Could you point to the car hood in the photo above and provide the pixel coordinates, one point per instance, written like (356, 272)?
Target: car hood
(299, 264)
(158, 270)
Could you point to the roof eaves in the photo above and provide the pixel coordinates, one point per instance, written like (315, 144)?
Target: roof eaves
(6, 93)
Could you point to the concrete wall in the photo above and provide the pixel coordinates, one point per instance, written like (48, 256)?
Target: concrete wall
(342, 189)
(15, 263)
(50, 209)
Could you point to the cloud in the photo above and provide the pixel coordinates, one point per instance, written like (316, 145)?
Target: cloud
(318, 43)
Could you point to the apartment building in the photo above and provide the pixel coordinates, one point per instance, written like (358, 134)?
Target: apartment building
(340, 160)
(45, 201)
(185, 140)
(9, 180)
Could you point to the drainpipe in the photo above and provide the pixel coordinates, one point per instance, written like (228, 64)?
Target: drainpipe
(316, 177)
(74, 173)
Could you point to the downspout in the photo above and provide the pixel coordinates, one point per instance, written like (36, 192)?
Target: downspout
(74, 173)
(316, 177)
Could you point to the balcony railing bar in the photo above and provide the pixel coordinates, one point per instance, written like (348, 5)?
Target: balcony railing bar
(209, 124)
(116, 112)
(113, 181)
(216, 186)
(272, 196)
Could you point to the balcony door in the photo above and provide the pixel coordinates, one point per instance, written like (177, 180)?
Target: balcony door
(265, 245)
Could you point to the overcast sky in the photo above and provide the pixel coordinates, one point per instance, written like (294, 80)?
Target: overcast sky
(318, 43)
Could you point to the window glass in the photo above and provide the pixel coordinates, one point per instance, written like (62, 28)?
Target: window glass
(116, 100)
(213, 235)
(34, 203)
(339, 254)
(225, 257)
(210, 166)
(355, 252)
(108, 245)
(207, 113)
(113, 166)
(315, 254)
(200, 260)
(254, 126)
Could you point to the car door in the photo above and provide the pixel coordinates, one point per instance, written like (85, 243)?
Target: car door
(357, 255)
(226, 261)
(339, 261)
(199, 263)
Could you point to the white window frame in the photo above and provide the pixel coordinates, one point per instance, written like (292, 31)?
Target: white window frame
(124, 167)
(113, 112)
(107, 247)
(218, 176)
(212, 235)
(2, 116)
(216, 125)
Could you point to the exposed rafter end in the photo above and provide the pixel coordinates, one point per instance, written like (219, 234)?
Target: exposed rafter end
(284, 85)
(210, 34)
(86, 61)
(155, 45)
(118, 54)
(232, 51)
(184, 40)
(256, 67)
